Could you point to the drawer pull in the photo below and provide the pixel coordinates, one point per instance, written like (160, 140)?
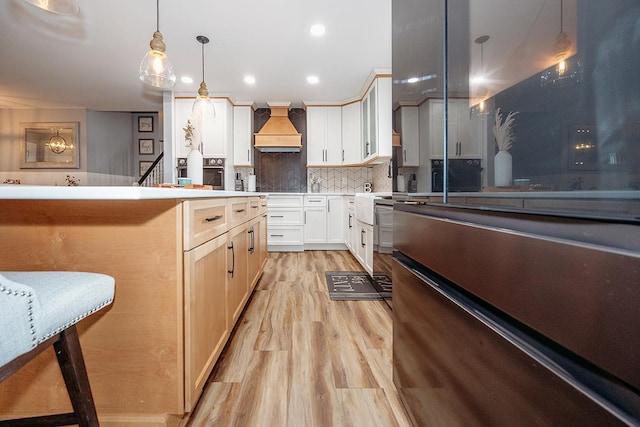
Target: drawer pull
(255, 207)
(277, 216)
(276, 235)
(239, 210)
(214, 218)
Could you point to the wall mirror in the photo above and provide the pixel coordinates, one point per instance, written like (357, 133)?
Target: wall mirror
(49, 145)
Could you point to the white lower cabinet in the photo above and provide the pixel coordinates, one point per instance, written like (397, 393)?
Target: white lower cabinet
(350, 224)
(285, 219)
(364, 245)
(323, 222)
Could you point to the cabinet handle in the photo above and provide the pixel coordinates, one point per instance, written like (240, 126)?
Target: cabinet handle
(343, 156)
(214, 218)
(254, 206)
(277, 216)
(251, 240)
(328, 205)
(404, 152)
(239, 210)
(363, 235)
(305, 217)
(276, 235)
(350, 225)
(248, 154)
(233, 259)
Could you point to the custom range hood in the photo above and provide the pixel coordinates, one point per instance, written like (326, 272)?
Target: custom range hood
(278, 134)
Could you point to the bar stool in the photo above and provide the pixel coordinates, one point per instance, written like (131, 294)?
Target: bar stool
(40, 309)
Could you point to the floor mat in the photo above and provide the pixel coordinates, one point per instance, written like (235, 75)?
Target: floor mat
(350, 286)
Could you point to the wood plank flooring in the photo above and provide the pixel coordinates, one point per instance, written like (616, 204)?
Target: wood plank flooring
(296, 358)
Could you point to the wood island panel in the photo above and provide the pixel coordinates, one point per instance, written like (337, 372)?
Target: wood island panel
(134, 348)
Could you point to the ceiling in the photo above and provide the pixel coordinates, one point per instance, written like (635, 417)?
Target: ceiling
(90, 60)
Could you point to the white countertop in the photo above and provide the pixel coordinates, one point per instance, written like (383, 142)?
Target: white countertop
(47, 192)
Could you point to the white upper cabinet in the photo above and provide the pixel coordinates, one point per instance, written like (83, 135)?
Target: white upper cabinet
(461, 144)
(217, 133)
(324, 136)
(351, 134)
(410, 134)
(242, 136)
(377, 122)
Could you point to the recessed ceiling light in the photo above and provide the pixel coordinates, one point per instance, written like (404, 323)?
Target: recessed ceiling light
(249, 80)
(317, 30)
(413, 80)
(313, 79)
(186, 79)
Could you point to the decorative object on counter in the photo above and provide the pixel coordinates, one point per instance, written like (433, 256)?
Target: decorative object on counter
(195, 161)
(239, 182)
(11, 181)
(72, 181)
(503, 133)
(400, 184)
(155, 69)
(184, 181)
(315, 183)
(194, 166)
(367, 187)
(413, 184)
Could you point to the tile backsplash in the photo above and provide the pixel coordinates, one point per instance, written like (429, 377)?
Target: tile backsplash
(339, 180)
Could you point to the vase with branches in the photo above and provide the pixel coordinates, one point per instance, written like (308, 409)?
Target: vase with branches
(504, 136)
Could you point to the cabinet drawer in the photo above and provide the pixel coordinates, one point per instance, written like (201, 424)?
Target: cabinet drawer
(285, 217)
(239, 210)
(284, 201)
(310, 201)
(254, 207)
(263, 205)
(204, 220)
(285, 236)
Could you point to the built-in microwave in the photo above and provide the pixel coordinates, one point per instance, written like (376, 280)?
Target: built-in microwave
(212, 171)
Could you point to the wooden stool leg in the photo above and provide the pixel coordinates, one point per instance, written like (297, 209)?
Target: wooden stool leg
(74, 371)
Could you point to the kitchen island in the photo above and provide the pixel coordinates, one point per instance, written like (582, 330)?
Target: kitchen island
(171, 252)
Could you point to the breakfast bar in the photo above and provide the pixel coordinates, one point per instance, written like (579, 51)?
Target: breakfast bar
(149, 355)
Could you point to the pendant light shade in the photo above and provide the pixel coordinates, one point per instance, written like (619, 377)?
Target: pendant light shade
(203, 110)
(485, 106)
(155, 69)
(56, 143)
(62, 7)
(567, 70)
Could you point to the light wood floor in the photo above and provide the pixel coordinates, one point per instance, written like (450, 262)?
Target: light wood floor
(297, 358)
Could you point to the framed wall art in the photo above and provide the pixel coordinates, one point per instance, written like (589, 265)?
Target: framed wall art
(145, 146)
(144, 166)
(145, 124)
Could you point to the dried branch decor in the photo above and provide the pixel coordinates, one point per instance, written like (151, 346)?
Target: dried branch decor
(503, 130)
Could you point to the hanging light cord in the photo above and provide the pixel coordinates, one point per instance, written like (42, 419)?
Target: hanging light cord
(157, 15)
(561, 17)
(202, 61)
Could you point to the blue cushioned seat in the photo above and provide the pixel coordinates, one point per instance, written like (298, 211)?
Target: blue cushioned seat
(39, 309)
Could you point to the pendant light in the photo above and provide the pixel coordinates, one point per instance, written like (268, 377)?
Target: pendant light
(56, 143)
(485, 105)
(61, 7)
(566, 70)
(156, 69)
(203, 109)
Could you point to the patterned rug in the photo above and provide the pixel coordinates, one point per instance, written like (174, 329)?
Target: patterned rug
(351, 286)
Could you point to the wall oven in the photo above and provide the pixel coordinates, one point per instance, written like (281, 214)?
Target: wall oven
(212, 171)
(535, 331)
